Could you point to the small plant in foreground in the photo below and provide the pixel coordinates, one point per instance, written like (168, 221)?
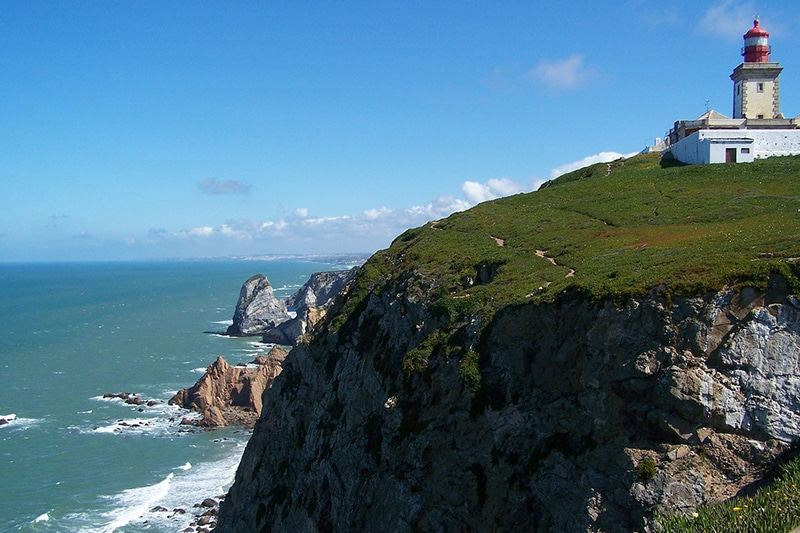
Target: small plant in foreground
(772, 509)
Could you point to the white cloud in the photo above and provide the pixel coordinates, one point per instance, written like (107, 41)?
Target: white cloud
(562, 74)
(494, 188)
(727, 19)
(372, 229)
(203, 231)
(602, 157)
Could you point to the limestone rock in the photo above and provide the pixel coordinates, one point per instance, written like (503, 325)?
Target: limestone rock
(231, 395)
(257, 310)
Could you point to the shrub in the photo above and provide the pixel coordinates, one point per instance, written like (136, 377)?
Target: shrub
(646, 469)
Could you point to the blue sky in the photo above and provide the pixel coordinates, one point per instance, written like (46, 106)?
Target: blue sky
(141, 130)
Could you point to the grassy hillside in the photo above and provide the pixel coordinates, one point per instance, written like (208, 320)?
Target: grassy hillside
(643, 227)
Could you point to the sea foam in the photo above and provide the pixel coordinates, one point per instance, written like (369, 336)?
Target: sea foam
(12, 421)
(167, 505)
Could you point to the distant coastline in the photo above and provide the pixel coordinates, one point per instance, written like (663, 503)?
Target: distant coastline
(348, 260)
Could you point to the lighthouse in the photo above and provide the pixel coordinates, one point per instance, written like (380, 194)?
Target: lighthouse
(756, 91)
(757, 129)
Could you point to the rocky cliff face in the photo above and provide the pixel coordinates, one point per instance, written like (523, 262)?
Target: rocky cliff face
(260, 313)
(310, 305)
(257, 310)
(319, 291)
(231, 395)
(576, 415)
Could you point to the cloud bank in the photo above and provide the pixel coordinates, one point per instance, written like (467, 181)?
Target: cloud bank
(476, 193)
(602, 157)
(727, 19)
(213, 186)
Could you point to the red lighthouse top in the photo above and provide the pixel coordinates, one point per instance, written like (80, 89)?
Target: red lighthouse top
(756, 45)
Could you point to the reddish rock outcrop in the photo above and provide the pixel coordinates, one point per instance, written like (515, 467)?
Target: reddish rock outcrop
(231, 395)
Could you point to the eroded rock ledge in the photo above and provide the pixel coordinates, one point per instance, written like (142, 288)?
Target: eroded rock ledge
(231, 395)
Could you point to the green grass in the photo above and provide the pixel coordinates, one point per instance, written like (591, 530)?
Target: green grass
(678, 230)
(772, 509)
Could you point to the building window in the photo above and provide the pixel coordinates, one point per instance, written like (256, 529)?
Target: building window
(760, 87)
(745, 150)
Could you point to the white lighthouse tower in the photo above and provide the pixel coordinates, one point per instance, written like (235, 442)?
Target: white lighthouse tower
(756, 91)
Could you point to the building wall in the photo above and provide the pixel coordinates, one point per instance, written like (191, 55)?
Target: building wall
(759, 98)
(690, 150)
(756, 90)
(775, 143)
(709, 146)
(738, 98)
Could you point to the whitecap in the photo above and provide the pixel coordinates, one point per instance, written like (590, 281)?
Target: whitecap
(199, 370)
(258, 344)
(134, 503)
(223, 322)
(113, 399)
(12, 421)
(154, 426)
(44, 517)
(177, 493)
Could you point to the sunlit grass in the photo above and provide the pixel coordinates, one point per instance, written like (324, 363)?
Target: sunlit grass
(683, 230)
(772, 509)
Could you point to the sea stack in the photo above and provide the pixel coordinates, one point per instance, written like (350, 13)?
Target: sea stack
(258, 310)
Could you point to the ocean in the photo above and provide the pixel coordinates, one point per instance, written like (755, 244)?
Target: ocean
(72, 460)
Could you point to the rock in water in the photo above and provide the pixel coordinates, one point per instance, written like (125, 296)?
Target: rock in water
(258, 310)
(310, 304)
(231, 395)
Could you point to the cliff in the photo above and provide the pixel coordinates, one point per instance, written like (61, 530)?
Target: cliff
(575, 359)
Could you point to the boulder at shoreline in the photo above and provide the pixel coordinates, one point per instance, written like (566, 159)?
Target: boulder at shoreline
(231, 395)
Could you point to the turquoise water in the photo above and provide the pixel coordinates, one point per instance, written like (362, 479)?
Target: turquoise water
(73, 461)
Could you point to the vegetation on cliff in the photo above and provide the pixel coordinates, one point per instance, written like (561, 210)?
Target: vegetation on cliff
(628, 229)
(772, 509)
(641, 227)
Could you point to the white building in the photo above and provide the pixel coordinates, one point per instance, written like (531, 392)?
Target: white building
(757, 129)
